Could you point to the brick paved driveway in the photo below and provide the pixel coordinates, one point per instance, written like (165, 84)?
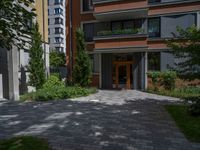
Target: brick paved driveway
(108, 120)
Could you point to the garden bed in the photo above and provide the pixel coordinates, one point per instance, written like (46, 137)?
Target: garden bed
(178, 93)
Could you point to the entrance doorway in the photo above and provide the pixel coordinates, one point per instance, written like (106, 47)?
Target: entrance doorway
(122, 74)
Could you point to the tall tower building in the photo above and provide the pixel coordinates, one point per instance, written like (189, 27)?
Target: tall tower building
(57, 27)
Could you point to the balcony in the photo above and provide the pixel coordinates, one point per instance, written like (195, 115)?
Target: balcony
(121, 29)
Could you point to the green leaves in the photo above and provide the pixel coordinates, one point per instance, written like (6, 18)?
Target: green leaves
(36, 62)
(187, 49)
(14, 15)
(57, 59)
(82, 69)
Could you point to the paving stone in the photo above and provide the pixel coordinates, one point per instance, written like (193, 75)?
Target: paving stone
(107, 120)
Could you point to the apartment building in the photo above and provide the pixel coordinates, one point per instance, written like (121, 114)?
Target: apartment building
(57, 25)
(13, 71)
(126, 38)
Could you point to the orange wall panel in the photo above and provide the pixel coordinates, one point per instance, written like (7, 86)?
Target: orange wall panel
(123, 5)
(120, 43)
(174, 8)
(157, 45)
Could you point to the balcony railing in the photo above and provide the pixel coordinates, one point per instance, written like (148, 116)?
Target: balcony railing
(104, 1)
(121, 32)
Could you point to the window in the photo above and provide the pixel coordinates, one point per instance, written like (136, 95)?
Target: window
(48, 22)
(88, 29)
(87, 5)
(128, 24)
(154, 1)
(58, 30)
(58, 21)
(117, 25)
(154, 61)
(49, 31)
(58, 2)
(48, 12)
(58, 40)
(59, 49)
(154, 27)
(58, 11)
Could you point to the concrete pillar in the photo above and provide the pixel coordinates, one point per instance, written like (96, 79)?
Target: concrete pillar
(46, 58)
(100, 72)
(142, 72)
(47, 63)
(198, 19)
(135, 71)
(146, 70)
(1, 87)
(13, 71)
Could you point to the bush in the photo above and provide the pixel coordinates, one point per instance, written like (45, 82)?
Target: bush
(155, 76)
(53, 81)
(194, 105)
(54, 89)
(169, 79)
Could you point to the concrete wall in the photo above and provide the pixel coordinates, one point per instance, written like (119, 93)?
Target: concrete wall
(4, 72)
(169, 24)
(167, 61)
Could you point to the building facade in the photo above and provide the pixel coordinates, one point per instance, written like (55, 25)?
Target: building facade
(126, 38)
(57, 25)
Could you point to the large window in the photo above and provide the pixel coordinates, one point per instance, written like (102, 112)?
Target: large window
(87, 5)
(58, 11)
(129, 24)
(58, 2)
(59, 30)
(154, 27)
(58, 40)
(154, 1)
(58, 21)
(154, 61)
(88, 29)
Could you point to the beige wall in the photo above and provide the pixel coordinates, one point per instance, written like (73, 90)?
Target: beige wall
(42, 18)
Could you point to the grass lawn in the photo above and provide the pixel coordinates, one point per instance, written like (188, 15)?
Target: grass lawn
(24, 143)
(189, 125)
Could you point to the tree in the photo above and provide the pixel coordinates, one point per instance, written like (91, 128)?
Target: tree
(188, 51)
(82, 69)
(15, 21)
(57, 59)
(36, 62)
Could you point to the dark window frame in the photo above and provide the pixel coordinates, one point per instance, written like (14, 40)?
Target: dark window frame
(159, 35)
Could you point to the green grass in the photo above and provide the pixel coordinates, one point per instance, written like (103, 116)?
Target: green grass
(188, 124)
(179, 93)
(24, 143)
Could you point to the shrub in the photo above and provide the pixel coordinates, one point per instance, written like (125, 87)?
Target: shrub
(58, 93)
(194, 105)
(169, 79)
(53, 81)
(82, 69)
(155, 76)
